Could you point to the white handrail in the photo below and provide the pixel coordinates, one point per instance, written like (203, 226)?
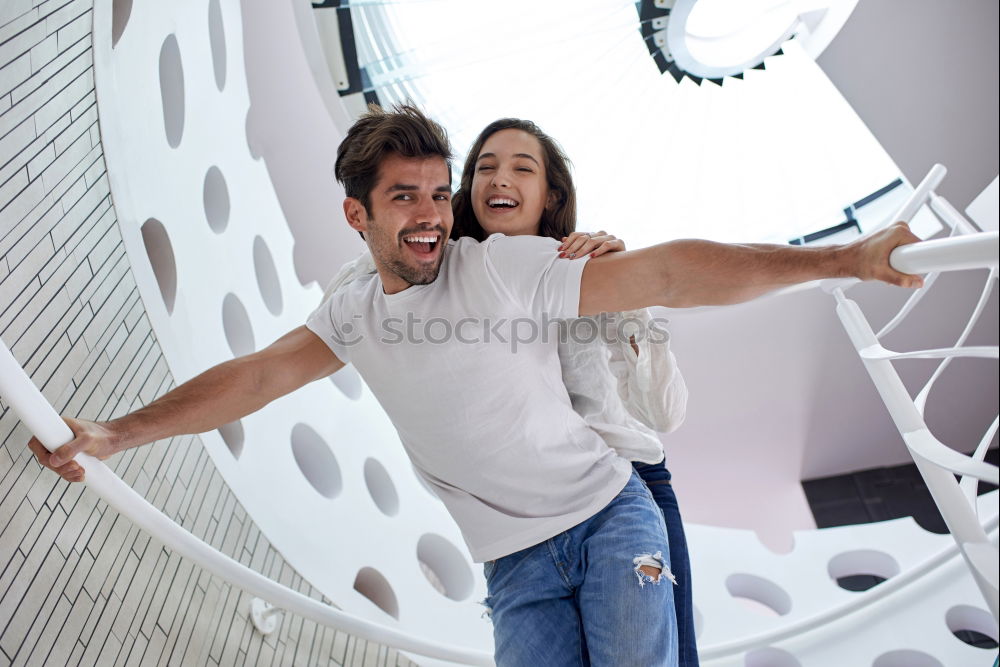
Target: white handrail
(40, 418)
(955, 253)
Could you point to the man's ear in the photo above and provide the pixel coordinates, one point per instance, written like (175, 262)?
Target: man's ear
(357, 216)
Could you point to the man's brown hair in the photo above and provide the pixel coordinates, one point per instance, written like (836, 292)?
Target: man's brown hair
(555, 223)
(403, 130)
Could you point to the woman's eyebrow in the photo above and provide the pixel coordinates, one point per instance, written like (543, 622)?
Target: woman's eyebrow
(524, 155)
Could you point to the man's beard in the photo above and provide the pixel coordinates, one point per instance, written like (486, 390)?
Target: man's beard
(416, 275)
(389, 255)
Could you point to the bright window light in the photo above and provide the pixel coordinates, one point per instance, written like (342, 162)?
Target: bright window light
(772, 157)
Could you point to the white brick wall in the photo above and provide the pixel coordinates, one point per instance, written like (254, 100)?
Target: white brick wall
(78, 583)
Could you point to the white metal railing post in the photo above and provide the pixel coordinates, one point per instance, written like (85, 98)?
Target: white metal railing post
(937, 463)
(42, 420)
(919, 195)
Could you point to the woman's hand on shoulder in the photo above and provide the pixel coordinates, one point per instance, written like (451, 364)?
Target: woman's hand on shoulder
(579, 244)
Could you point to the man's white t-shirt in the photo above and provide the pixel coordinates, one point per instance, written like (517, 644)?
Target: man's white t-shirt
(468, 371)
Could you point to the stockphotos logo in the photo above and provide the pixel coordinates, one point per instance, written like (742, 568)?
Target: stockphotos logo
(513, 332)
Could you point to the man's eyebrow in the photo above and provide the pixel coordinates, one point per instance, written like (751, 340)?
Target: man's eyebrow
(405, 187)
(525, 155)
(396, 187)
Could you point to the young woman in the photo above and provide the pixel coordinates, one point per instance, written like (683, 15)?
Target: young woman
(516, 180)
(627, 387)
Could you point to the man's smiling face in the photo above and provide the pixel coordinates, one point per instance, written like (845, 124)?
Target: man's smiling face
(408, 221)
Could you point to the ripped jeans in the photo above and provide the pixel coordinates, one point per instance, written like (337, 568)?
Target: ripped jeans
(657, 478)
(580, 598)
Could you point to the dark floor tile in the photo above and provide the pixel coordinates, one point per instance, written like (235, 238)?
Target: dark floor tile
(878, 494)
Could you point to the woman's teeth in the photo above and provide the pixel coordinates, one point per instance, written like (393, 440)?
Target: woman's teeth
(501, 202)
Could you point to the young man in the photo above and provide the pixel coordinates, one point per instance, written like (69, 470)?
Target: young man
(450, 336)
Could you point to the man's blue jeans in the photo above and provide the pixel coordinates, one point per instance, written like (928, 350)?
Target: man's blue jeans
(657, 478)
(579, 598)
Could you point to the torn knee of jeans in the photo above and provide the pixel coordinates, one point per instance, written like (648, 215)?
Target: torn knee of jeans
(650, 569)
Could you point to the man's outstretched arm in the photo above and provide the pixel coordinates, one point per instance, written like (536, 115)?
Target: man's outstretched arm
(222, 394)
(686, 273)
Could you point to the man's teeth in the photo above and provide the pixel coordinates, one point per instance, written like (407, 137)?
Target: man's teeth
(420, 239)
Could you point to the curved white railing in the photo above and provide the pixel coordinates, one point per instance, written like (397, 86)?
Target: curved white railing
(956, 253)
(835, 613)
(41, 419)
(965, 249)
(936, 461)
(938, 464)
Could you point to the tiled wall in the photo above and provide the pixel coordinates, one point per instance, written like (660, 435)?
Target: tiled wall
(78, 583)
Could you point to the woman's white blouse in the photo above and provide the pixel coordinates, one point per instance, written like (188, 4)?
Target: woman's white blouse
(623, 396)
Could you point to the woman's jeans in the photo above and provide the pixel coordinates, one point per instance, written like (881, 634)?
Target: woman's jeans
(580, 598)
(657, 478)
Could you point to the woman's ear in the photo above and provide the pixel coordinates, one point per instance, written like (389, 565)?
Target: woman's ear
(553, 199)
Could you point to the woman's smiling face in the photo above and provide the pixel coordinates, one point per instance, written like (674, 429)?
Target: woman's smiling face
(509, 187)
